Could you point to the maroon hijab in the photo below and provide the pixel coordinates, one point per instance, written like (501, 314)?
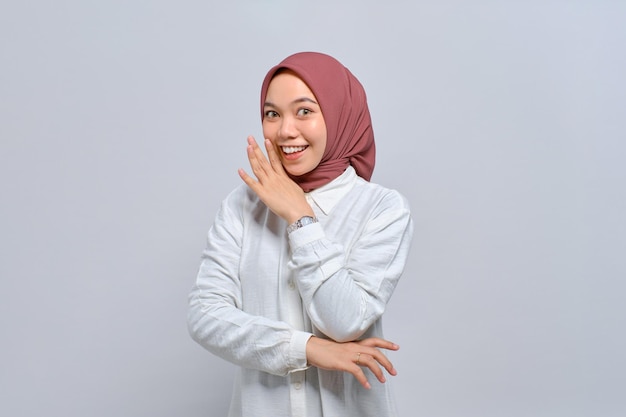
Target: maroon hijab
(350, 138)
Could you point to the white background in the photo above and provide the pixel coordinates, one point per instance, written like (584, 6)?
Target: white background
(123, 123)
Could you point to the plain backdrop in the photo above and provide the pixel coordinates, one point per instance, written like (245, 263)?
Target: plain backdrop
(123, 123)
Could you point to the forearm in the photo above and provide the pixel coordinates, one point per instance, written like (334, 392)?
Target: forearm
(337, 303)
(342, 309)
(346, 292)
(244, 339)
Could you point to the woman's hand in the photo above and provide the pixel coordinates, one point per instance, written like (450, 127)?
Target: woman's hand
(351, 356)
(273, 186)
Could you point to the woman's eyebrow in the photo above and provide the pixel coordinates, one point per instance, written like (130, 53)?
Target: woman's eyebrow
(296, 101)
(304, 99)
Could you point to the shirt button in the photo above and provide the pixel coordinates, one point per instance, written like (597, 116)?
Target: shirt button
(291, 285)
(297, 385)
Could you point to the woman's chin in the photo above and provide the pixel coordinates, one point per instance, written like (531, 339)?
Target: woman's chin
(296, 170)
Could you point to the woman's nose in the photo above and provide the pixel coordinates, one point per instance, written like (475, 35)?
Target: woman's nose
(288, 128)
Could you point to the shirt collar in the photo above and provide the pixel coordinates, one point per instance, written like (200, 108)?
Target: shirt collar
(328, 195)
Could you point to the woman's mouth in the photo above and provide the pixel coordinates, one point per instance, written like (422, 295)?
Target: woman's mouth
(292, 152)
(293, 149)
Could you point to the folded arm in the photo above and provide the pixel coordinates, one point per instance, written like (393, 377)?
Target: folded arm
(345, 293)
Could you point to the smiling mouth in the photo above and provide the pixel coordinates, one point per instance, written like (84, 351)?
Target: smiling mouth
(292, 149)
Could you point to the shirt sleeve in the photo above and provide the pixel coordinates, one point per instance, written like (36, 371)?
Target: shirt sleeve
(345, 290)
(215, 319)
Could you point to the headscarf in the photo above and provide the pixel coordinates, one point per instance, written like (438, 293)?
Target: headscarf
(342, 99)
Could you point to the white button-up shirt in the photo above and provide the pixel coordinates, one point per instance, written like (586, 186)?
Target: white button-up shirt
(261, 293)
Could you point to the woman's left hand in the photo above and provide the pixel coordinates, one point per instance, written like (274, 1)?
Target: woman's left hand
(273, 186)
(352, 357)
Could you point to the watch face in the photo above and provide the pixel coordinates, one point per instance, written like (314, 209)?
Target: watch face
(306, 220)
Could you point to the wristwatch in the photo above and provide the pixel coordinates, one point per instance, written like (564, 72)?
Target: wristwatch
(303, 221)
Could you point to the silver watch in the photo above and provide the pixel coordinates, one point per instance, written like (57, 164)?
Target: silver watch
(303, 221)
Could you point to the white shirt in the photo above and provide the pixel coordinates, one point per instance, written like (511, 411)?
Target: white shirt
(261, 293)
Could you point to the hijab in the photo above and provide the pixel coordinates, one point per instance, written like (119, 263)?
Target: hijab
(342, 99)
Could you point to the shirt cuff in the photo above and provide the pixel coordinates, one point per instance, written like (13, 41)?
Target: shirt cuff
(297, 351)
(306, 234)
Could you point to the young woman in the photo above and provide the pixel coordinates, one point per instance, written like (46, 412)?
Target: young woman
(303, 258)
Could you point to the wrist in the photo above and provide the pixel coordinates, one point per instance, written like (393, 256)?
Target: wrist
(298, 214)
(312, 346)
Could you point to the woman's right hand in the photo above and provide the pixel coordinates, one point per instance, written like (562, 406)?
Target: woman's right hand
(273, 186)
(351, 356)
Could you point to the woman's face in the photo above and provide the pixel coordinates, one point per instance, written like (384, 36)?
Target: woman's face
(293, 122)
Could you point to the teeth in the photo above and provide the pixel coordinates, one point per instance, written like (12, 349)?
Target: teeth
(292, 149)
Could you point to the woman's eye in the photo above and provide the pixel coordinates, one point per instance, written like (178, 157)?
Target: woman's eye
(304, 112)
(270, 114)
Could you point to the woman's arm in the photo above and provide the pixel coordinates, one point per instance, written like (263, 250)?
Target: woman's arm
(215, 318)
(346, 292)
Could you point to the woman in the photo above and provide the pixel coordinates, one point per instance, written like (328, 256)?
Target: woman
(303, 258)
